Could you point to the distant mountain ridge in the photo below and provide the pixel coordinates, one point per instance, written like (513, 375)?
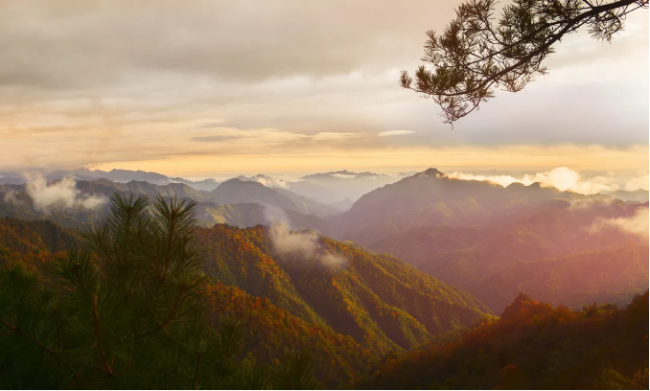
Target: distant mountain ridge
(237, 202)
(431, 198)
(115, 175)
(236, 191)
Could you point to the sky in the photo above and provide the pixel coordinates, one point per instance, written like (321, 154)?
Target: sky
(214, 88)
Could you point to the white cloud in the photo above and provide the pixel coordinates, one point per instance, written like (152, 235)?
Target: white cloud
(301, 244)
(334, 136)
(58, 194)
(395, 133)
(562, 178)
(636, 224)
(638, 183)
(265, 180)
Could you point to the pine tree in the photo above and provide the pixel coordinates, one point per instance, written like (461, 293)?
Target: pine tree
(127, 311)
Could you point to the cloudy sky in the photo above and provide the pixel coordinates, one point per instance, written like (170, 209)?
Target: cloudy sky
(212, 88)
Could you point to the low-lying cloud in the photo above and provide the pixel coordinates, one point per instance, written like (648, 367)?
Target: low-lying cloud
(57, 194)
(562, 178)
(265, 180)
(636, 224)
(298, 244)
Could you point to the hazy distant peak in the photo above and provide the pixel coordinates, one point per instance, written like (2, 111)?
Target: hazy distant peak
(432, 173)
(253, 178)
(183, 180)
(238, 180)
(238, 183)
(515, 185)
(343, 174)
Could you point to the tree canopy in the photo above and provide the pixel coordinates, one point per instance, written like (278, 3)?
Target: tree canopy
(474, 56)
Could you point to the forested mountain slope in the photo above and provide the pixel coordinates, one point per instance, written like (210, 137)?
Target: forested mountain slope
(532, 346)
(379, 300)
(27, 240)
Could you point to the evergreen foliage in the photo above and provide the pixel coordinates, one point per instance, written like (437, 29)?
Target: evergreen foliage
(128, 311)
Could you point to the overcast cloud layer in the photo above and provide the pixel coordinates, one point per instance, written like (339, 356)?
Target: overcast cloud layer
(201, 87)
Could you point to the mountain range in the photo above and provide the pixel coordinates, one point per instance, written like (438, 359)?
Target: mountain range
(236, 202)
(468, 233)
(464, 233)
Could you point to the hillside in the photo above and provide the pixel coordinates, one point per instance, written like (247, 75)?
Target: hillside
(272, 331)
(20, 238)
(382, 302)
(17, 204)
(457, 255)
(608, 276)
(532, 346)
(250, 215)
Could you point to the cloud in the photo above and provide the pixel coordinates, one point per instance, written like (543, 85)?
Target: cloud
(303, 245)
(10, 197)
(636, 224)
(265, 180)
(562, 178)
(341, 175)
(132, 81)
(638, 183)
(394, 133)
(334, 136)
(275, 215)
(58, 194)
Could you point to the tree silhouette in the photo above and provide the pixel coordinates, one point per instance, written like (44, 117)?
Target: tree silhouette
(474, 56)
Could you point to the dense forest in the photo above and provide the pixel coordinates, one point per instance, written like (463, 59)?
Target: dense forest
(531, 346)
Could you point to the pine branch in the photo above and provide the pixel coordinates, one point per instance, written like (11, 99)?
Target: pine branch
(473, 56)
(100, 349)
(197, 367)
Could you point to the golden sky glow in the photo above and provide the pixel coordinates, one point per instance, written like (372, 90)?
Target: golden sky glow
(210, 88)
(527, 158)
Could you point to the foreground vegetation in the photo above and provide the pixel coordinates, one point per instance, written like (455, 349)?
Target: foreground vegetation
(129, 311)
